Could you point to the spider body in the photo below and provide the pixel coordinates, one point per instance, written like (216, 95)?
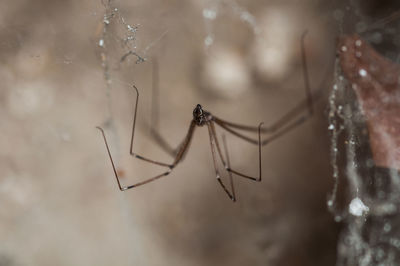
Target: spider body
(201, 116)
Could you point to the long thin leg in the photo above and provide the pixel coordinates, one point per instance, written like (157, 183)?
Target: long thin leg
(218, 176)
(123, 188)
(281, 132)
(155, 111)
(287, 118)
(278, 124)
(237, 134)
(176, 153)
(284, 120)
(178, 158)
(185, 144)
(227, 167)
(133, 134)
(182, 149)
(284, 124)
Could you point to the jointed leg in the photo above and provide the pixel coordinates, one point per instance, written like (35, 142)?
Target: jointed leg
(181, 152)
(133, 134)
(176, 151)
(286, 121)
(123, 188)
(155, 111)
(227, 167)
(212, 143)
(222, 124)
(279, 133)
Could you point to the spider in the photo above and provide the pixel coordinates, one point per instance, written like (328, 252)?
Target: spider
(202, 117)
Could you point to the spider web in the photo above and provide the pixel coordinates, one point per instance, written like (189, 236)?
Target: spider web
(365, 198)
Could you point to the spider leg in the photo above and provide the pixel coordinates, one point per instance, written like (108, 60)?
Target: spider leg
(212, 143)
(178, 158)
(162, 143)
(227, 167)
(173, 153)
(307, 103)
(284, 124)
(155, 110)
(290, 115)
(181, 151)
(133, 134)
(282, 121)
(281, 132)
(222, 124)
(184, 145)
(123, 188)
(240, 127)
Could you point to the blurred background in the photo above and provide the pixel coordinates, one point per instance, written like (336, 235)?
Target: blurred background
(68, 66)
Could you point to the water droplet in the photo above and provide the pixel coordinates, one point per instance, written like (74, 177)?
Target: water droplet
(331, 127)
(101, 42)
(362, 72)
(358, 43)
(344, 48)
(357, 207)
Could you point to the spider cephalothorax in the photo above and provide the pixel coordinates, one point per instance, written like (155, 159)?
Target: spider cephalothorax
(200, 116)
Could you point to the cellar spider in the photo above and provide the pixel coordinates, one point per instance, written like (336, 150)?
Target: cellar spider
(201, 118)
